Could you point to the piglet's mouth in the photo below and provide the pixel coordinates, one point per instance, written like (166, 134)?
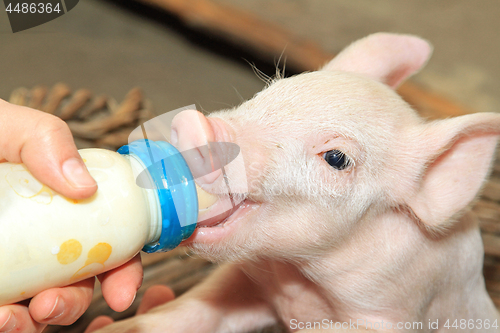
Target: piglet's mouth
(227, 216)
(220, 226)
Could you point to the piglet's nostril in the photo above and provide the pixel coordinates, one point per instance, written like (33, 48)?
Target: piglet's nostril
(200, 163)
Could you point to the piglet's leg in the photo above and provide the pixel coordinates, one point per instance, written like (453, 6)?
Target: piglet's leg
(228, 301)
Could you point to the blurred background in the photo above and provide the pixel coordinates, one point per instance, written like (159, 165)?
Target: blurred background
(205, 52)
(111, 46)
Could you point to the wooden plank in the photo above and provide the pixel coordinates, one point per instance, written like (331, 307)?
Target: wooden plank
(246, 30)
(270, 41)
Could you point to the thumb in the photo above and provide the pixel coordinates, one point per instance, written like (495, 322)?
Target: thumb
(44, 143)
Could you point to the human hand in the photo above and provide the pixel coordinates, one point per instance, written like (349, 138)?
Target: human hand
(45, 145)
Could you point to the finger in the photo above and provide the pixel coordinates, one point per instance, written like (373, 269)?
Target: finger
(45, 145)
(62, 306)
(98, 323)
(16, 318)
(155, 296)
(120, 285)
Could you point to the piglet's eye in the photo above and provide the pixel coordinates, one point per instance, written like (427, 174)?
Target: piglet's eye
(337, 159)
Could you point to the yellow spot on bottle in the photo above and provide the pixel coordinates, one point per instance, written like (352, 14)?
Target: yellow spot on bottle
(98, 254)
(25, 185)
(96, 258)
(73, 201)
(69, 251)
(44, 196)
(22, 293)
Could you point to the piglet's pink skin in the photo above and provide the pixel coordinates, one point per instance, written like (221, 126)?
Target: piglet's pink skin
(386, 239)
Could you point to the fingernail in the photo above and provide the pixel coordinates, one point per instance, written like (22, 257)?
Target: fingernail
(57, 310)
(173, 137)
(76, 174)
(133, 299)
(9, 324)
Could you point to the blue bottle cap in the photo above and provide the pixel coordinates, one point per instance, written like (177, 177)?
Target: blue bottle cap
(175, 188)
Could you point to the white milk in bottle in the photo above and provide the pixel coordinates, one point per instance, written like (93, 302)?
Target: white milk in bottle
(48, 240)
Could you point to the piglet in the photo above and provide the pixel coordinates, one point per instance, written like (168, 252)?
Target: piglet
(351, 211)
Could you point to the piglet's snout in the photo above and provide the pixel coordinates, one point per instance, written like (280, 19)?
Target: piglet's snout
(192, 134)
(215, 162)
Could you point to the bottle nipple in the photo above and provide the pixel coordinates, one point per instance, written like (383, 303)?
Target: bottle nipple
(205, 199)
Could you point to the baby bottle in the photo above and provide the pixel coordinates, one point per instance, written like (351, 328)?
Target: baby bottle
(48, 240)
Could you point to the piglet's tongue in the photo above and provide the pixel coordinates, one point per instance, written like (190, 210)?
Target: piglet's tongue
(214, 220)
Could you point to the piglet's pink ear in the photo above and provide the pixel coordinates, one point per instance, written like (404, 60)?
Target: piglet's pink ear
(454, 157)
(388, 58)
